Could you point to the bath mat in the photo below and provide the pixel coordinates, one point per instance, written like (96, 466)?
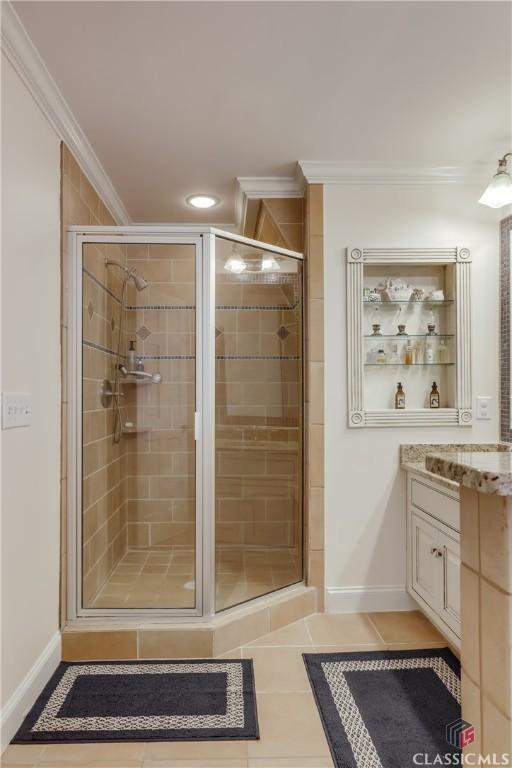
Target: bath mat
(380, 709)
(184, 700)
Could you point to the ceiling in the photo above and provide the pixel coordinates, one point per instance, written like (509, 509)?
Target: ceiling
(183, 97)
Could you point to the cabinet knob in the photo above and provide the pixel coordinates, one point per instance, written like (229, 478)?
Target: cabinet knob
(436, 552)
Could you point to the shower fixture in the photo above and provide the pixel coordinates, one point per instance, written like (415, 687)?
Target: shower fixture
(139, 282)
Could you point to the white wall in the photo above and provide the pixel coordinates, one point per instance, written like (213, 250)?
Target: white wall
(364, 488)
(30, 363)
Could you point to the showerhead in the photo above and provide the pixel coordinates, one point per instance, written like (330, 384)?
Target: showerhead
(139, 282)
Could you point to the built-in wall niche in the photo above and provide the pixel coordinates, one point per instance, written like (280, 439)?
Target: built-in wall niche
(408, 322)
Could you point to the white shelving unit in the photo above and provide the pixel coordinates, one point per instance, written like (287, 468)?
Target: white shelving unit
(443, 356)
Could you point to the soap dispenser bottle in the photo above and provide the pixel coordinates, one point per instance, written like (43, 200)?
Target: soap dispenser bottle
(130, 356)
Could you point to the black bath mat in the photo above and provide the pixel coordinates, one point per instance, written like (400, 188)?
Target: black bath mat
(379, 709)
(145, 701)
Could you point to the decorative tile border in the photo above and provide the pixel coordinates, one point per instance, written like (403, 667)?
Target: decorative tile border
(505, 319)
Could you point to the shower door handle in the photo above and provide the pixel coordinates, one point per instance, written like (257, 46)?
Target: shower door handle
(197, 425)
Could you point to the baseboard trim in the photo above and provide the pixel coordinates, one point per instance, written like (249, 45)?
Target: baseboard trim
(14, 711)
(388, 597)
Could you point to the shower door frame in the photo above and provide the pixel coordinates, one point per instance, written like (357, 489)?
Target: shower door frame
(205, 425)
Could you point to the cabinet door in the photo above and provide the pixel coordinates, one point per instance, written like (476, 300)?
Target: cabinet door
(425, 565)
(449, 609)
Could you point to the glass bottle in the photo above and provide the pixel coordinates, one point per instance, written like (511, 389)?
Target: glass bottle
(409, 354)
(399, 396)
(435, 397)
(443, 352)
(429, 354)
(381, 357)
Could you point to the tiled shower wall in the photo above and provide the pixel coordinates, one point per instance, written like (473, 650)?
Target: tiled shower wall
(160, 458)
(79, 205)
(258, 395)
(103, 461)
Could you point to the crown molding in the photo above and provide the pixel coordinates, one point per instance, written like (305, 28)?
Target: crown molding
(258, 187)
(24, 57)
(320, 172)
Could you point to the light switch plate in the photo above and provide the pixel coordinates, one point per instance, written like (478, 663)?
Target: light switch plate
(16, 409)
(483, 408)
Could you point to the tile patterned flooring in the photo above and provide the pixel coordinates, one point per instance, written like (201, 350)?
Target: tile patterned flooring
(290, 729)
(161, 578)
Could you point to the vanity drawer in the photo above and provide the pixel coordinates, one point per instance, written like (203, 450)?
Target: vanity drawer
(435, 503)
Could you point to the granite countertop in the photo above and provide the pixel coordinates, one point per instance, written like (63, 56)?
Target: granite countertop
(487, 472)
(413, 456)
(418, 467)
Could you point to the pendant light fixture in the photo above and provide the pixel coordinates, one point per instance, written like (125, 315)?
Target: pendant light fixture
(499, 191)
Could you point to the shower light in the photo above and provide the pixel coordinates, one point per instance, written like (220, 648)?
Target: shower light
(202, 201)
(269, 263)
(499, 191)
(235, 262)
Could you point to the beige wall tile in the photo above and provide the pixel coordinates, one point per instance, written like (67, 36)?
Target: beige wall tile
(315, 204)
(315, 332)
(77, 646)
(471, 711)
(179, 643)
(316, 518)
(293, 608)
(242, 630)
(496, 540)
(497, 730)
(496, 650)
(316, 455)
(316, 393)
(469, 525)
(470, 620)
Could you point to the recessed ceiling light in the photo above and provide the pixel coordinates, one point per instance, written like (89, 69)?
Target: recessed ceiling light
(202, 201)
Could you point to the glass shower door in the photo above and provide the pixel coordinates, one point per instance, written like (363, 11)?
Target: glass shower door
(139, 532)
(258, 420)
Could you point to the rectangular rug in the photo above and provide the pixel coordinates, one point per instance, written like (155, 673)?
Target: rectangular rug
(184, 700)
(380, 709)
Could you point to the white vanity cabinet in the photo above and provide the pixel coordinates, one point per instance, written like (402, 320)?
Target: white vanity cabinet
(433, 552)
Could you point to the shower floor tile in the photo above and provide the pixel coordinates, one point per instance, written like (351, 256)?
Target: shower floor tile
(164, 579)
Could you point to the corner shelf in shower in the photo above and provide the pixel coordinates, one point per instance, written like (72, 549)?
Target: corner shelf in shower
(136, 430)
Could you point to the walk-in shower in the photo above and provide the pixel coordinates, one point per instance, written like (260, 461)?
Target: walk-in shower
(186, 437)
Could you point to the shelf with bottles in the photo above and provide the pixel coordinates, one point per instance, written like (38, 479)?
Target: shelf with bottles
(411, 302)
(408, 311)
(406, 365)
(405, 336)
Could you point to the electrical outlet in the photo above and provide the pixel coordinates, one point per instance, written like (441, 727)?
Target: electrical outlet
(16, 409)
(483, 408)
